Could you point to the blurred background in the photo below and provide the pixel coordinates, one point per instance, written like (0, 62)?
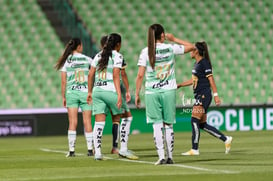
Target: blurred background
(34, 34)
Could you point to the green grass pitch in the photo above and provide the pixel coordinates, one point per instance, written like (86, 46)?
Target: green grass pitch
(43, 158)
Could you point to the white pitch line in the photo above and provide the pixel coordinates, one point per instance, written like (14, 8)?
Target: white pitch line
(147, 162)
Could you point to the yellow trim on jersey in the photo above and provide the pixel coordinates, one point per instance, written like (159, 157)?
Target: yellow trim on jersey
(124, 67)
(208, 75)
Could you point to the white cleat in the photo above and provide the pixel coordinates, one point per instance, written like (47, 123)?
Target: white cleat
(192, 152)
(228, 144)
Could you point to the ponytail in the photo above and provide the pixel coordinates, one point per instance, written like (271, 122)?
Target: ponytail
(69, 48)
(110, 44)
(202, 48)
(154, 33)
(151, 47)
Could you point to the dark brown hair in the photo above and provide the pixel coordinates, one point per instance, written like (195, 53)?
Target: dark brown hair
(154, 33)
(112, 41)
(69, 48)
(203, 51)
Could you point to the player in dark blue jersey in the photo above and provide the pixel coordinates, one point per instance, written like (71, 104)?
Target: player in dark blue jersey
(203, 82)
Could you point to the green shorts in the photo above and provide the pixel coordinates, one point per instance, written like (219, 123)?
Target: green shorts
(161, 107)
(77, 99)
(105, 100)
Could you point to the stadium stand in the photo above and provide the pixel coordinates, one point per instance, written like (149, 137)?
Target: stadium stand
(29, 49)
(239, 35)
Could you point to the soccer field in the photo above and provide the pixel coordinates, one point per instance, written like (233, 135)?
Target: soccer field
(43, 158)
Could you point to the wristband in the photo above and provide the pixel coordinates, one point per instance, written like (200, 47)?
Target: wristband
(215, 94)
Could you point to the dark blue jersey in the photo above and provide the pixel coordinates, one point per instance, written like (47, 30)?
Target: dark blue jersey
(200, 73)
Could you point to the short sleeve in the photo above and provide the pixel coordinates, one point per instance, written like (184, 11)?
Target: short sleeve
(178, 49)
(95, 60)
(207, 68)
(63, 69)
(123, 64)
(118, 61)
(143, 57)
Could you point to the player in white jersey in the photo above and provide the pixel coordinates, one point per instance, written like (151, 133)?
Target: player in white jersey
(126, 117)
(75, 68)
(104, 87)
(157, 60)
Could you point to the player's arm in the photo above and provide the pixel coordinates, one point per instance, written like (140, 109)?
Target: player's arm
(214, 90)
(139, 80)
(126, 84)
(184, 84)
(63, 87)
(188, 46)
(91, 77)
(116, 79)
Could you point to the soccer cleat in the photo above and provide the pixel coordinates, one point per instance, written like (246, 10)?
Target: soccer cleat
(192, 152)
(160, 162)
(114, 151)
(71, 154)
(90, 153)
(169, 161)
(228, 144)
(98, 157)
(128, 154)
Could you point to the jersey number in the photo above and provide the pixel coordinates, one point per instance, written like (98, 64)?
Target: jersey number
(79, 75)
(102, 74)
(162, 72)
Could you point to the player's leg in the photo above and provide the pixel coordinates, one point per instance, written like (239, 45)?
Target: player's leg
(169, 117)
(72, 134)
(216, 133)
(124, 136)
(125, 125)
(99, 108)
(88, 132)
(115, 135)
(154, 116)
(197, 112)
(72, 109)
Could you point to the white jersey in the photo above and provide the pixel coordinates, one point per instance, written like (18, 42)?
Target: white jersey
(77, 68)
(104, 79)
(163, 76)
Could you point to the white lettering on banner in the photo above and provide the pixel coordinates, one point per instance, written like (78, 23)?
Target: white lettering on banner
(229, 127)
(215, 118)
(257, 124)
(242, 127)
(269, 119)
(4, 131)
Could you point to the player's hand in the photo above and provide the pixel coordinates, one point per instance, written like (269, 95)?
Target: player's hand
(137, 101)
(89, 98)
(119, 102)
(179, 85)
(128, 96)
(169, 37)
(217, 100)
(64, 102)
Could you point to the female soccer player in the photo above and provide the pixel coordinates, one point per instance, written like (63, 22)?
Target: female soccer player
(126, 117)
(104, 76)
(75, 67)
(202, 81)
(160, 97)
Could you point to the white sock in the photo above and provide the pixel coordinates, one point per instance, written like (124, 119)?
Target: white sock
(124, 133)
(71, 139)
(89, 140)
(97, 136)
(169, 135)
(159, 139)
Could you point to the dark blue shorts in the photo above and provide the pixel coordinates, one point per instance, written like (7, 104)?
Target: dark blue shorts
(203, 99)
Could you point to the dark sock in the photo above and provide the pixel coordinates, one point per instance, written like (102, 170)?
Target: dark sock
(195, 133)
(115, 132)
(213, 131)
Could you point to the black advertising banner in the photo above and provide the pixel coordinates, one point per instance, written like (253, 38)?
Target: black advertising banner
(17, 127)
